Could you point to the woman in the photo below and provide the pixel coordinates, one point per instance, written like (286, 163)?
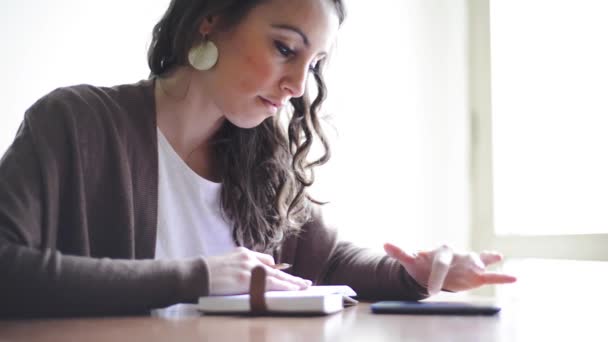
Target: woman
(123, 199)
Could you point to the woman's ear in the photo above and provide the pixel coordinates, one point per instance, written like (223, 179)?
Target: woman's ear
(208, 25)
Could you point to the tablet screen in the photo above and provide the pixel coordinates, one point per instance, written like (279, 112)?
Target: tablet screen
(434, 308)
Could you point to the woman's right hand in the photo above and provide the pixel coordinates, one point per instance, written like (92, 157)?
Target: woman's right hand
(231, 273)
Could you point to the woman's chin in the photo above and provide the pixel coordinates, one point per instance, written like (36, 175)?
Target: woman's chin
(248, 123)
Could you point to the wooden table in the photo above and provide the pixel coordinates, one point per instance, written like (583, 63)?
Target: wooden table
(516, 322)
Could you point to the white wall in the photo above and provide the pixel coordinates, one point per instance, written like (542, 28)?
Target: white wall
(47, 44)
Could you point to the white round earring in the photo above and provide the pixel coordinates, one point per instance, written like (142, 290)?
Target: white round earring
(203, 56)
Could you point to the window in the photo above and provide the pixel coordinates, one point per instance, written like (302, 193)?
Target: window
(550, 116)
(539, 164)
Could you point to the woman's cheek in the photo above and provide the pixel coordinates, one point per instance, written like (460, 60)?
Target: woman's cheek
(257, 74)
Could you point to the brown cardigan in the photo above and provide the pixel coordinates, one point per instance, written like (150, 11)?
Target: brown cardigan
(78, 206)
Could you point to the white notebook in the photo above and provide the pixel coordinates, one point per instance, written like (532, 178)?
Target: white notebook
(314, 300)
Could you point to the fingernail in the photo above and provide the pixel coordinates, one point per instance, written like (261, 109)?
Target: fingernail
(433, 291)
(281, 267)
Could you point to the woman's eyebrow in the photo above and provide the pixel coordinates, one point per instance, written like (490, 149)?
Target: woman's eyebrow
(299, 32)
(294, 29)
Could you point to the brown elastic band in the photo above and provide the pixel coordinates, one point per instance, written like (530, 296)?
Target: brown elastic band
(257, 288)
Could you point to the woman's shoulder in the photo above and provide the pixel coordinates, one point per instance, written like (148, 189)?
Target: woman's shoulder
(86, 101)
(94, 117)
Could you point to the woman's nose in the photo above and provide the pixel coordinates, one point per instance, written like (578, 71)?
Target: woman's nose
(294, 83)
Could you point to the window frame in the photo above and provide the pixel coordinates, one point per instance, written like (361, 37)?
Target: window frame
(483, 235)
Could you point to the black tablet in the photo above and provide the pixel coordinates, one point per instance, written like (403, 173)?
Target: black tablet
(434, 308)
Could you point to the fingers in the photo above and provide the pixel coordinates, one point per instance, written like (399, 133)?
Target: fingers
(475, 260)
(399, 254)
(266, 259)
(496, 278)
(285, 278)
(276, 279)
(276, 284)
(489, 258)
(439, 269)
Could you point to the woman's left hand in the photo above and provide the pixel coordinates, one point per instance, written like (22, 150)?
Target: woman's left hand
(442, 268)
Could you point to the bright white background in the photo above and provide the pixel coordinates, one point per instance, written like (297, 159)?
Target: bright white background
(397, 97)
(538, 79)
(48, 44)
(550, 116)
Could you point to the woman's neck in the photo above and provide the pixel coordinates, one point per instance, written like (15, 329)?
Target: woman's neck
(188, 118)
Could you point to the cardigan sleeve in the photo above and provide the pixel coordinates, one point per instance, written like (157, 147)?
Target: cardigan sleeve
(37, 279)
(320, 256)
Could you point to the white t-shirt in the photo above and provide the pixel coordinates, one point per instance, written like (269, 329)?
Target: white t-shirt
(189, 219)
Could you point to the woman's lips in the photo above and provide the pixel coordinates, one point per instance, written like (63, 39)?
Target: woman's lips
(270, 104)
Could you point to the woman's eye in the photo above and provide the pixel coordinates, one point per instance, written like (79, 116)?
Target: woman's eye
(283, 49)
